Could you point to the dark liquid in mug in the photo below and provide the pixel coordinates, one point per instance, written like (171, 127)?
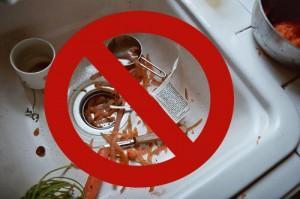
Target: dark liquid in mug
(38, 67)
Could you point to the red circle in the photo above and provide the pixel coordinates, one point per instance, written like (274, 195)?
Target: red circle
(88, 42)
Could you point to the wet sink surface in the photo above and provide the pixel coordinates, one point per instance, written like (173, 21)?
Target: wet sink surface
(249, 133)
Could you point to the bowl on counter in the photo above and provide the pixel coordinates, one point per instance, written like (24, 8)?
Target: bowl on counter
(276, 28)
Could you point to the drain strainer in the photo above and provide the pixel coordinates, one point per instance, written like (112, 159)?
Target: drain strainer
(95, 110)
(90, 112)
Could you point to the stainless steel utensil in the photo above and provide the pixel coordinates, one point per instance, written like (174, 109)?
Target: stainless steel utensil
(142, 139)
(127, 108)
(267, 37)
(129, 51)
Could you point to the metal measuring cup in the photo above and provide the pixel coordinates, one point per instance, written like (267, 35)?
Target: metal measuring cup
(128, 50)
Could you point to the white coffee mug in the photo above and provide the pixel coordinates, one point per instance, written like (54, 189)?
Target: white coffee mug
(32, 58)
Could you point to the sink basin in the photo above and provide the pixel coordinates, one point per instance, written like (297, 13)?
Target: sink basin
(164, 53)
(258, 128)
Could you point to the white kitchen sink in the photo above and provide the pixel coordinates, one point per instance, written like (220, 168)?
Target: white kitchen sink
(264, 128)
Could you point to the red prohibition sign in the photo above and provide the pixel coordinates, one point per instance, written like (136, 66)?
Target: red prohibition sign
(88, 43)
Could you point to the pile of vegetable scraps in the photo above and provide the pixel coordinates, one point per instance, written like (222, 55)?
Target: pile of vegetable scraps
(97, 111)
(140, 154)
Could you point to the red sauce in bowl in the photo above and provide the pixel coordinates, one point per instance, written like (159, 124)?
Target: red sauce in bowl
(290, 30)
(285, 17)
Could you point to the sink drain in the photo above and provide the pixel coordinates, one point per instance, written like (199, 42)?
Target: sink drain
(90, 112)
(95, 110)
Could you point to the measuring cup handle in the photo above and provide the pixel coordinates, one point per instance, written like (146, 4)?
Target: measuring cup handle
(161, 73)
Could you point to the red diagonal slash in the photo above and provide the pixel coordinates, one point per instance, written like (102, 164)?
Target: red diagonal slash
(189, 155)
(146, 107)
